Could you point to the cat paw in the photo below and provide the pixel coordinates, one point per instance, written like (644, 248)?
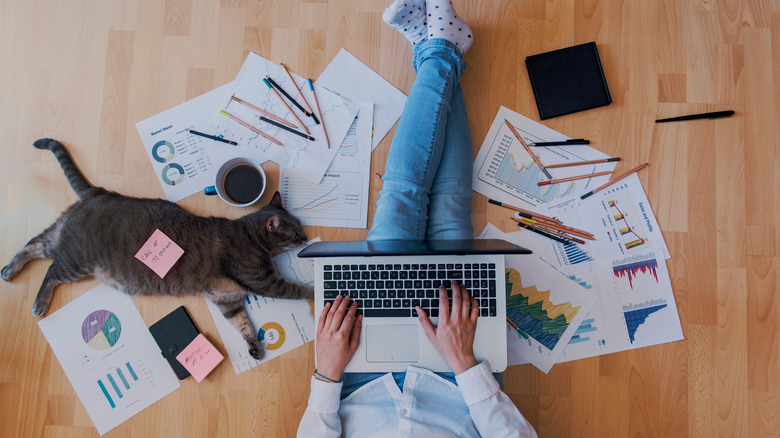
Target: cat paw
(256, 350)
(307, 293)
(40, 309)
(6, 273)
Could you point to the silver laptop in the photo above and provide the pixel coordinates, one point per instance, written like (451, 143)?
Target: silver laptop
(388, 278)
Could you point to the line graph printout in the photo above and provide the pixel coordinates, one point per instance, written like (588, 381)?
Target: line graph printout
(310, 158)
(341, 198)
(503, 169)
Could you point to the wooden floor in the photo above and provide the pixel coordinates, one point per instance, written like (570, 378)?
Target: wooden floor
(86, 71)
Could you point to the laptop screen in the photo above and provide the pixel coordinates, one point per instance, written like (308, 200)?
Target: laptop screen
(359, 248)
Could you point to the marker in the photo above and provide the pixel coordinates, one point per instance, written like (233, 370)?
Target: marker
(569, 142)
(212, 137)
(317, 106)
(711, 116)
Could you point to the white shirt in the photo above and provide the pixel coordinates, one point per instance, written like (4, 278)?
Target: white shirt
(429, 407)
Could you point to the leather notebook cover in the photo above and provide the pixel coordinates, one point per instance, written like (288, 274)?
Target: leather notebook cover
(568, 80)
(173, 333)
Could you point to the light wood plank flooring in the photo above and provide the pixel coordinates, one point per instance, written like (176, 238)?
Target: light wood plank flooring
(86, 71)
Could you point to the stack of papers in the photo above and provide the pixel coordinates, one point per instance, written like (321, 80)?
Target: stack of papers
(608, 295)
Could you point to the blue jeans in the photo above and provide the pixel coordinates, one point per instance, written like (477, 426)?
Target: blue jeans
(426, 191)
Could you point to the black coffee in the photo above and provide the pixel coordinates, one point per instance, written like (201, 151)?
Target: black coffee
(243, 184)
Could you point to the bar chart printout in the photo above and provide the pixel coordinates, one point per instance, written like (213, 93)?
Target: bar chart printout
(109, 356)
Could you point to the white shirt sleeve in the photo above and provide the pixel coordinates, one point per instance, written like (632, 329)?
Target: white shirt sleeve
(321, 418)
(492, 412)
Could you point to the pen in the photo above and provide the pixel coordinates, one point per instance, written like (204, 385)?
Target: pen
(310, 113)
(250, 127)
(569, 142)
(536, 160)
(261, 111)
(290, 98)
(285, 104)
(572, 178)
(317, 105)
(279, 125)
(213, 137)
(714, 115)
(581, 163)
(614, 180)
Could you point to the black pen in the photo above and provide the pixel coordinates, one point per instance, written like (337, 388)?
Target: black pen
(569, 142)
(715, 115)
(223, 140)
(545, 234)
(279, 125)
(281, 90)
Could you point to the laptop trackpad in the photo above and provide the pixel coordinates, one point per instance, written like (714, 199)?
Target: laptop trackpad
(392, 343)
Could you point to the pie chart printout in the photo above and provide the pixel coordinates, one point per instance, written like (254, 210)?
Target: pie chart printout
(101, 329)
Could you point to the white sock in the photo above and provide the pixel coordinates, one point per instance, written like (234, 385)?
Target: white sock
(443, 22)
(407, 17)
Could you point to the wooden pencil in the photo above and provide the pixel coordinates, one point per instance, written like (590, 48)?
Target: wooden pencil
(538, 163)
(572, 178)
(262, 111)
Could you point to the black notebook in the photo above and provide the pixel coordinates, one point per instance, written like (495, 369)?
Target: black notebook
(568, 80)
(173, 333)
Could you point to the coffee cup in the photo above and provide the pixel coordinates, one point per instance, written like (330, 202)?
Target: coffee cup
(240, 182)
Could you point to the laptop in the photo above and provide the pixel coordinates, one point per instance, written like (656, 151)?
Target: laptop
(388, 278)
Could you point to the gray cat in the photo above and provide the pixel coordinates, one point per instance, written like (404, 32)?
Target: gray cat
(224, 260)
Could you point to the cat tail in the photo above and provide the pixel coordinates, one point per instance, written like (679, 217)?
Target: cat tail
(72, 173)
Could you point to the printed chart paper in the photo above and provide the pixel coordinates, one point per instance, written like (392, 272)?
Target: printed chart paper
(310, 158)
(183, 162)
(504, 171)
(109, 356)
(356, 82)
(281, 325)
(341, 198)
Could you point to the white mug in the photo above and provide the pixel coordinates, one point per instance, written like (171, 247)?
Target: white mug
(240, 182)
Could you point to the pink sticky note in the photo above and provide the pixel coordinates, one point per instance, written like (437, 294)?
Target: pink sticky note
(200, 357)
(159, 253)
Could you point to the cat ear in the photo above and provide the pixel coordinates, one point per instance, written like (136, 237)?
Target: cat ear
(273, 222)
(276, 200)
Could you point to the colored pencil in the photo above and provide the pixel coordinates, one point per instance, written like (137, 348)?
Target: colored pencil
(544, 226)
(279, 125)
(309, 113)
(582, 163)
(514, 326)
(614, 180)
(560, 227)
(285, 105)
(319, 113)
(261, 111)
(250, 127)
(212, 137)
(545, 234)
(572, 178)
(538, 163)
(530, 214)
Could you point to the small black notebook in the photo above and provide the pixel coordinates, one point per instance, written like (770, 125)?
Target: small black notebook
(568, 80)
(173, 333)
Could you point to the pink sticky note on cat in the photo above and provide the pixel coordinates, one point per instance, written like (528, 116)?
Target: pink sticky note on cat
(159, 253)
(199, 358)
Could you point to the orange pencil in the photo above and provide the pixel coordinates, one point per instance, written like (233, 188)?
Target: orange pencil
(538, 163)
(580, 163)
(572, 178)
(559, 227)
(550, 229)
(243, 102)
(309, 113)
(526, 213)
(252, 128)
(614, 180)
(317, 105)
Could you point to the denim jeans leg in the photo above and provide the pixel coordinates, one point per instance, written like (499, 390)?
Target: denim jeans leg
(416, 150)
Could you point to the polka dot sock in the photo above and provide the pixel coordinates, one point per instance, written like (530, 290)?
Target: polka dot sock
(443, 22)
(407, 17)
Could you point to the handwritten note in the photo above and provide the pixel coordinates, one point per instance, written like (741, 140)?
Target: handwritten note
(200, 357)
(159, 253)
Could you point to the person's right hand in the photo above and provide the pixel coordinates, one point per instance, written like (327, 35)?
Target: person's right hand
(453, 337)
(338, 336)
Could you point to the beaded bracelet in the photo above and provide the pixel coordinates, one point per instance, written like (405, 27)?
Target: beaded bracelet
(316, 373)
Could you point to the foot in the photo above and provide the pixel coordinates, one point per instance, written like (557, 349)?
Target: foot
(444, 23)
(407, 17)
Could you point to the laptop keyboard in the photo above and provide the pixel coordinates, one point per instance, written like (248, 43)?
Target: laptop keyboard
(394, 290)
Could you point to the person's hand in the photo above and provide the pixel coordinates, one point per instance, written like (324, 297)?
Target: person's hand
(454, 336)
(338, 336)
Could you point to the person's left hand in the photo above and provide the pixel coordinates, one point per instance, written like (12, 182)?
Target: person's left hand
(338, 336)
